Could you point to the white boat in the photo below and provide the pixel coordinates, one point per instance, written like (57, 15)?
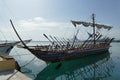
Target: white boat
(6, 47)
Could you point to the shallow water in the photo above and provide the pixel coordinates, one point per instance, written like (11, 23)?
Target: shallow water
(104, 66)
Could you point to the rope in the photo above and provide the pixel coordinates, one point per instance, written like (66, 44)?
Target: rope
(28, 63)
(3, 35)
(8, 9)
(12, 75)
(21, 54)
(20, 67)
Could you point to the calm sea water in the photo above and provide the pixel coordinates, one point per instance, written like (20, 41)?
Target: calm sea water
(104, 66)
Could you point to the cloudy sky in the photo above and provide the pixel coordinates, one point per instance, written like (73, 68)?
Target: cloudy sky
(33, 18)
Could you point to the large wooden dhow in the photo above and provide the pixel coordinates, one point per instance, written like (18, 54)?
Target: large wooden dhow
(93, 67)
(65, 50)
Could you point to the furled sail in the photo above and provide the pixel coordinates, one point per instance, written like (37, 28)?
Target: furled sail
(86, 24)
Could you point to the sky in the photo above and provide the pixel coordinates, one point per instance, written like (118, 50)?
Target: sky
(33, 18)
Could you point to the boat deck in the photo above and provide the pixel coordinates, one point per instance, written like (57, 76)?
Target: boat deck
(8, 69)
(7, 63)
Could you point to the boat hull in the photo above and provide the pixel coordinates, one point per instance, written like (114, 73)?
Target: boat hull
(76, 54)
(5, 48)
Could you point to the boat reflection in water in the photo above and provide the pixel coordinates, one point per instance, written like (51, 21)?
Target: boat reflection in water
(93, 67)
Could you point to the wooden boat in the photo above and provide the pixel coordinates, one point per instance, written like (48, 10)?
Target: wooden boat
(59, 51)
(6, 47)
(93, 66)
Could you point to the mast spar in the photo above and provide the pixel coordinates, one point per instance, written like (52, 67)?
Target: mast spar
(93, 18)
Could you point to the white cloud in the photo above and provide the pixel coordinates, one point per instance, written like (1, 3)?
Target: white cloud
(39, 19)
(37, 26)
(40, 22)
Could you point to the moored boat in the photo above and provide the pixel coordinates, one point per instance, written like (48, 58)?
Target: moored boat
(89, 65)
(59, 51)
(6, 47)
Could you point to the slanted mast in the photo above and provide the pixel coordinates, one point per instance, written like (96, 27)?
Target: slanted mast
(93, 18)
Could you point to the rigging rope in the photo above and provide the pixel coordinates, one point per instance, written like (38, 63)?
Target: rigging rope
(11, 75)
(21, 67)
(3, 35)
(21, 55)
(28, 62)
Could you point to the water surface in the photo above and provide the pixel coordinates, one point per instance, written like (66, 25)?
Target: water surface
(104, 66)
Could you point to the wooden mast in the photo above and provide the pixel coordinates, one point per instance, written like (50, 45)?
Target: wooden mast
(93, 18)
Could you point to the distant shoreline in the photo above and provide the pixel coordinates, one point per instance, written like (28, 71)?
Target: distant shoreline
(116, 41)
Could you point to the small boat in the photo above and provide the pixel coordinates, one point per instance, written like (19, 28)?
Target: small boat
(60, 51)
(6, 47)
